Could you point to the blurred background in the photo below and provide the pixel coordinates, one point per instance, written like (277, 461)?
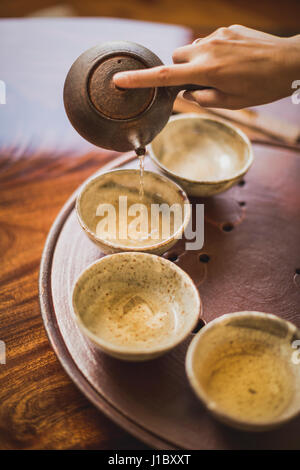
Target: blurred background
(278, 17)
(37, 51)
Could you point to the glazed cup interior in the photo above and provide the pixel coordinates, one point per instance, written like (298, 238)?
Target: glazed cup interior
(108, 188)
(135, 306)
(199, 149)
(241, 367)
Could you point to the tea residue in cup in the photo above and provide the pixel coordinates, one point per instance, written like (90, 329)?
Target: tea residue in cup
(200, 150)
(248, 381)
(131, 317)
(142, 234)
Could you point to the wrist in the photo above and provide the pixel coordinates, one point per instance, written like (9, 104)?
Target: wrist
(289, 62)
(292, 56)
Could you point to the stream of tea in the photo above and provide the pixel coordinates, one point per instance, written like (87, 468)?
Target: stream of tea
(140, 153)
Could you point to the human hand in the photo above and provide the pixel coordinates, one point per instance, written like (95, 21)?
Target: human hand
(243, 67)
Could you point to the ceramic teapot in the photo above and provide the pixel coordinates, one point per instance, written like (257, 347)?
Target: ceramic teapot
(109, 116)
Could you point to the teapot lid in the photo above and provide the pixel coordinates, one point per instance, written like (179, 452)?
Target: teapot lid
(114, 102)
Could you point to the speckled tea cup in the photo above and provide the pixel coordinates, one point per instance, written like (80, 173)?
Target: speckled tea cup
(135, 306)
(245, 369)
(106, 189)
(205, 156)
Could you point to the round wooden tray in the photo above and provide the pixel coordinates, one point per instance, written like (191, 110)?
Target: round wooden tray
(252, 247)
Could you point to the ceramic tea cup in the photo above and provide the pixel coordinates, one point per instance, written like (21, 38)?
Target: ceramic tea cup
(245, 369)
(111, 212)
(205, 156)
(135, 306)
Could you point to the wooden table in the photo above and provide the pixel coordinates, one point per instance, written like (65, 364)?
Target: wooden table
(42, 161)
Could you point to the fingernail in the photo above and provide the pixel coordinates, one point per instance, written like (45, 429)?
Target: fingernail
(187, 96)
(120, 76)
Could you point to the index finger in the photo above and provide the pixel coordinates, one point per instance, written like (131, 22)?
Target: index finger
(163, 75)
